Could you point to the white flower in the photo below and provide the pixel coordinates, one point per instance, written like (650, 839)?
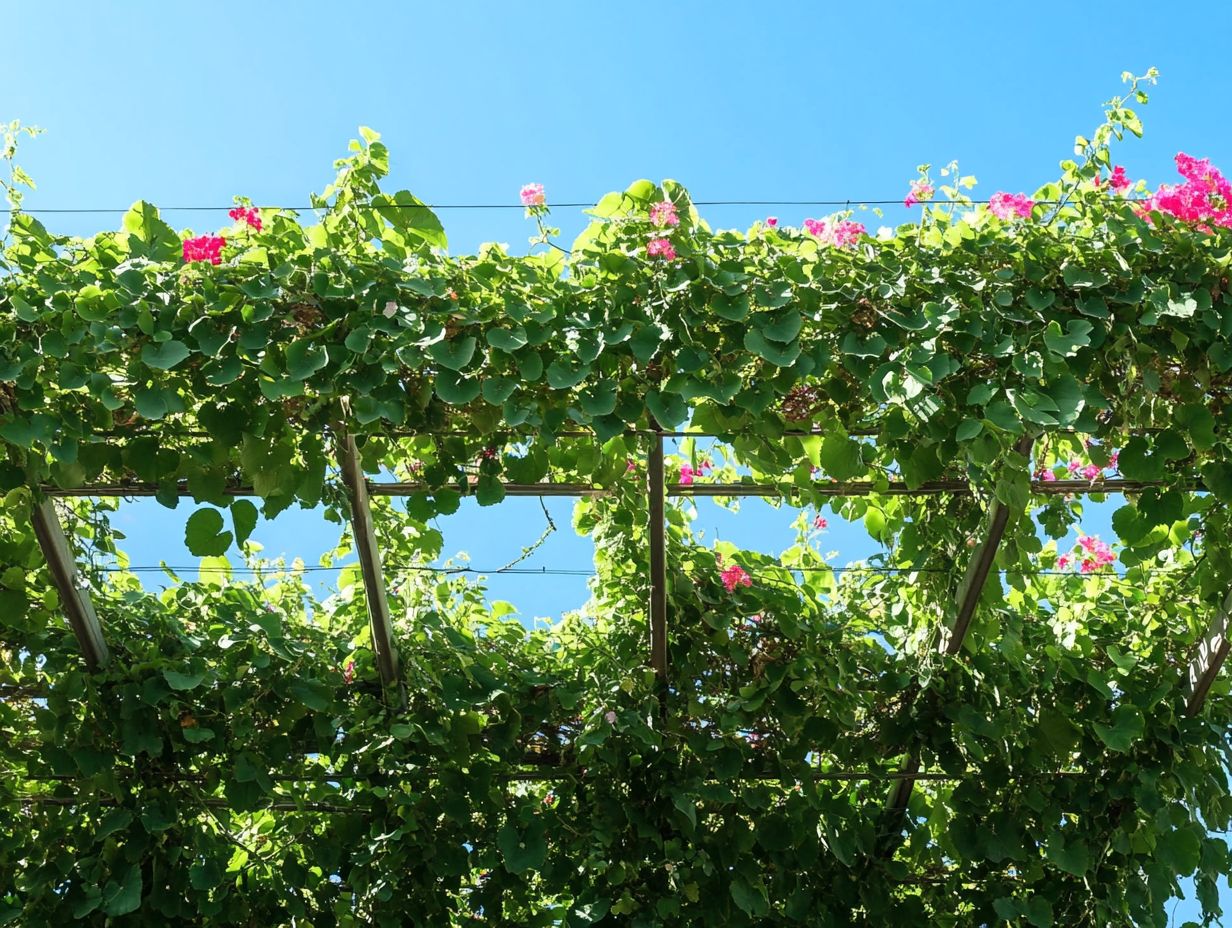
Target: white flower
(390, 308)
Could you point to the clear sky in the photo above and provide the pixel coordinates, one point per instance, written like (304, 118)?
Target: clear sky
(188, 105)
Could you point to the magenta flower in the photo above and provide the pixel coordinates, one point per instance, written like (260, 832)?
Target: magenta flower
(1088, 555)
(1114, 458)
(1046, 475)
(661, 248)
(532, 195)
(840, 233)
(1074, 466)
(1205, 198)
(735, 576)
(630, 465)
(687, 473)
(1063, 562)
(1091, 472)
(1118, 181)
(772, 221)
(820, 523)
(1005, 205)
(250, 215)
(348, 672)
(921, 190)
(663, 213)
(204, 248)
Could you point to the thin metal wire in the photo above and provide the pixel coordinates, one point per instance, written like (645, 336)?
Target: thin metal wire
(846, 203)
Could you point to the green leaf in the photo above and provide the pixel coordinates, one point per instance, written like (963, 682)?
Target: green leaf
(968, 429)
(522, 850)
(507, 340)
(781, 327)
(749, 897)
(120, 898)
(204, 534)
(164, 355)
(314, 694)
(777, 354)
(563, 375)
(243, 519)
(183, 681)
(1072, 857)
(410, 215)
(1127, 727)
(454, 353)
(841, 457)
(455, 389)
(1066, 344)
(498, 389)
(305, 358)
(668, 409)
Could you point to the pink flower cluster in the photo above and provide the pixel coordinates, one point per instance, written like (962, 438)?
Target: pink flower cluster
(1005, 205)
(921, 190)
(688, 471)
(661, 248)
(820, 523)
(1088, 556)
(1076, 468)
(735, 576)
(532, 195)
(348, 672)
(663, 213)
(204, 248)
(1118, 181)
(250, 215)
(841, 233)
(1205, 197)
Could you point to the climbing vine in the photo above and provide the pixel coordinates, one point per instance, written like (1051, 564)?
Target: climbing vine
(237, 763)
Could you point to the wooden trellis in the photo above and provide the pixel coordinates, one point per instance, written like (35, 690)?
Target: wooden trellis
(1201, 672)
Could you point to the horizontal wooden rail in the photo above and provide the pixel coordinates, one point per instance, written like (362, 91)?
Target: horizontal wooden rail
(824, 488)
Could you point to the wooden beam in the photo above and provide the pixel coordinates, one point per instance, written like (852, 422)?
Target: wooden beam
(657, 532)
(370, 562)
(1210, 657)
(74, 598)
(954, 631)
(767, 490)
(955, 627)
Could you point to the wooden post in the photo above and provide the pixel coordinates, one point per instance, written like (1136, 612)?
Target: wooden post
(74, 598)
(1212, 652)
(657, 531)
(369, 562)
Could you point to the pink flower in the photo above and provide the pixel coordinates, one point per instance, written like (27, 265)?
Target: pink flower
(204, 248)
(661, 248)
(1118, 181)
(755, 619)
(1063, 562)
(921, 190)
(1205, 198)
(532, 195)
(735, 576)
(252, 216)
(1091, 472)
(1046, 475)
(1074, 466)
(348, 672)
(610, 716)
(1113, 458)
(840, 233)
(687, 473)
(630, 465)
(663, 213)
(1004, 205)
(1087, 567)
(820, 523)
(772, 221)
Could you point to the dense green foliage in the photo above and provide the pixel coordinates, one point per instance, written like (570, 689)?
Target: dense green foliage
(238, 764)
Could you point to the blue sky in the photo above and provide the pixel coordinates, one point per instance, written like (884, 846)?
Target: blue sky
(187, 105)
